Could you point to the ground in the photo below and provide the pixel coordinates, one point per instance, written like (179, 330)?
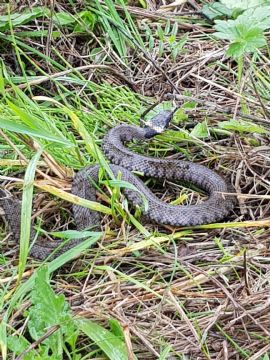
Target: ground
(69, 73)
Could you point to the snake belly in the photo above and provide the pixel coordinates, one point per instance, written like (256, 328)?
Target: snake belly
(215, 208)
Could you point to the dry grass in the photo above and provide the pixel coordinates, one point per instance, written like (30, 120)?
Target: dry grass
(202, 293)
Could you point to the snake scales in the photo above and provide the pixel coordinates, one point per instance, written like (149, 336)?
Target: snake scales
(215, 208)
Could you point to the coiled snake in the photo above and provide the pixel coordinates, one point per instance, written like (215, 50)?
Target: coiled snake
(215, 208)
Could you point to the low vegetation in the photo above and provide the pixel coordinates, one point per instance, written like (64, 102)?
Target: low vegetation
(69, 72)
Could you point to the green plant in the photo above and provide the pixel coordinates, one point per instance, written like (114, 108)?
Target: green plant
(166, 38)
(242, 127)
(245, 33)
(245, 29)
(84, 21)
(231, 8)
(249, 19)
(121, 33)
(51, 325)
(17, 19)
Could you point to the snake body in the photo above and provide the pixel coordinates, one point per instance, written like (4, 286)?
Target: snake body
(215, 208)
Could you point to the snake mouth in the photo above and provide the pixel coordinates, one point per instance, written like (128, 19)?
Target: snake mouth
(158, 123)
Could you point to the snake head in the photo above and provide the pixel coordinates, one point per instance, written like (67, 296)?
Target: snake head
(158, 123)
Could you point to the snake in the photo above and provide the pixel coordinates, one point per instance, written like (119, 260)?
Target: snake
(125, 162)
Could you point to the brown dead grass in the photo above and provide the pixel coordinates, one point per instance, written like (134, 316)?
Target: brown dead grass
(206, 299)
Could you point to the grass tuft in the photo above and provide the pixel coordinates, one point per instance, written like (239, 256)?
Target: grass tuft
(69, 73)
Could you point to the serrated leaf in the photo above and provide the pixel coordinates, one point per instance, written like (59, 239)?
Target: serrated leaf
(48, 310)
(151, 42)
(160, 33)
(246, 32)
(167, 27)
(260, 17)
(253, 41)
(160, 48)
(244, 4)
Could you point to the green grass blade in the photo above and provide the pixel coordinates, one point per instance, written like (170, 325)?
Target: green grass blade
(26, 212)
(93, 205)
(55, 264)
(3, 339)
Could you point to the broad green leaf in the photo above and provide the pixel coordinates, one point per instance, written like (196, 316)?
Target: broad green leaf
(242, 126)
(253, 41)
(86, 21)
(200, 130)
(250, 19)
(216, 10)
(22, 18)
(188, 105)
(259, 17)
(63, 18)
(17, 344)
(244, 4)
(113, 346)
(181, 115)
(29, 284)
(246, 32)
(48, 310)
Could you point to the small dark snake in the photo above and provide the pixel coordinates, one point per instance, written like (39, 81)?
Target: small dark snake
(215, 208)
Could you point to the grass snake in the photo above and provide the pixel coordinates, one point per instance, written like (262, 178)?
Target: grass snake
(123, 160)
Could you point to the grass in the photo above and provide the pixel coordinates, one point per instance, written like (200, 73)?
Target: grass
(150, 291)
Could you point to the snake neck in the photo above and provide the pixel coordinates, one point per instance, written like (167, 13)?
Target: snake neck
(114, 148)
(124, 133)
(114, 140)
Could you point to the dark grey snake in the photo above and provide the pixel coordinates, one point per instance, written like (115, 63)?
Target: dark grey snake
(215, 208)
